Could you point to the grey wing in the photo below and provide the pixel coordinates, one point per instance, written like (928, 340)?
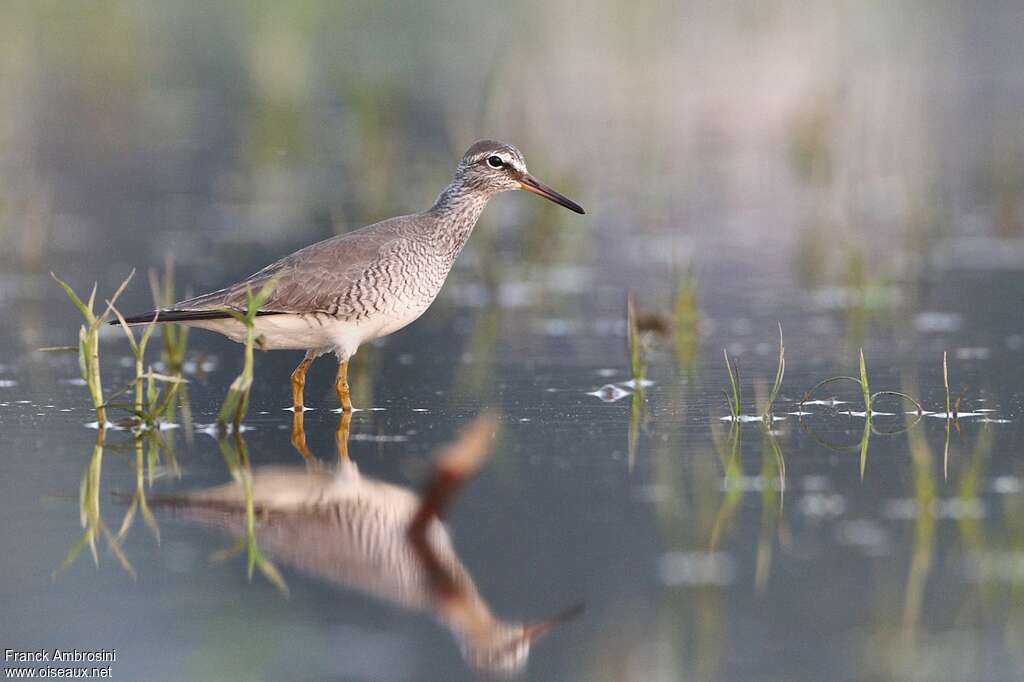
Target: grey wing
(315, 279)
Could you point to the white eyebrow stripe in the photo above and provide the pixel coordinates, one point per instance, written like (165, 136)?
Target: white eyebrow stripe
(509, 158)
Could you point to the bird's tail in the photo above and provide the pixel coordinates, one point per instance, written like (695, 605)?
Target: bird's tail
(171, 315)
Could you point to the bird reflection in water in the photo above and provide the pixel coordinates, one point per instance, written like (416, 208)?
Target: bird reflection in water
(386, 540)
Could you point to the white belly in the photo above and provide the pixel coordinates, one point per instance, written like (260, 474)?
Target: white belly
(308, 332)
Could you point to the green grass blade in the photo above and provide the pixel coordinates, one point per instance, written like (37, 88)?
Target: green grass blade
(780, 372)
(117, 294)
(865, 439)
(945, 382)
(127, 330)
(636, 364)
(864, 383)
(82, 308)
(734, 382)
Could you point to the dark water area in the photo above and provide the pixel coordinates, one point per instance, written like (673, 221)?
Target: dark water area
(818, 171)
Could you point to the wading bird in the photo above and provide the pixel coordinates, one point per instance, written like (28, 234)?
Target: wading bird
(350, 289)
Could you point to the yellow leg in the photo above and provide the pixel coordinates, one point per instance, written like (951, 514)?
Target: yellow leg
(299, 381)
(341, 386)
(341, 436)
(299, 435)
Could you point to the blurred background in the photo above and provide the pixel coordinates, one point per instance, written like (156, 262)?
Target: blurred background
(852, 169)
(811, 133)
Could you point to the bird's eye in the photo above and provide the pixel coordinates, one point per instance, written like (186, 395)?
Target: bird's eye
(495, 162)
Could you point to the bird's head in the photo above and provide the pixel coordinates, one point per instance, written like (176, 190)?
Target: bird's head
(490, 166)
(504, 648)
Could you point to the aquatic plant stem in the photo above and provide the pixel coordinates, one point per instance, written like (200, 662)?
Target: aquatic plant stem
(88, 340)
(636, 360)
(236, 403)
(734, 382)
(780, 372)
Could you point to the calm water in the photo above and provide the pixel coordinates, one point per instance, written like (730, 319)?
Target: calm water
(702, 550)
(766, 188)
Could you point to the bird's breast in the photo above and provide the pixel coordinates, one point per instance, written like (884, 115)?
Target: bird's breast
(398, 287)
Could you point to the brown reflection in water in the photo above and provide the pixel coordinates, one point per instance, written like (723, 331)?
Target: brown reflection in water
(340, 436)
(386, 540)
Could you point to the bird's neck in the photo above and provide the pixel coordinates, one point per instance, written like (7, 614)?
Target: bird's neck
(456, 211)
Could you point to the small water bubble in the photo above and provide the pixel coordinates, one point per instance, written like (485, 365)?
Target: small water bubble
(609, 393)
(8, 383)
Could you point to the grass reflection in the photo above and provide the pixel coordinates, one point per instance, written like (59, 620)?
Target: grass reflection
(917, 636)
(236, 456)
(773, 499)
(151, 453)
(90, 515)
